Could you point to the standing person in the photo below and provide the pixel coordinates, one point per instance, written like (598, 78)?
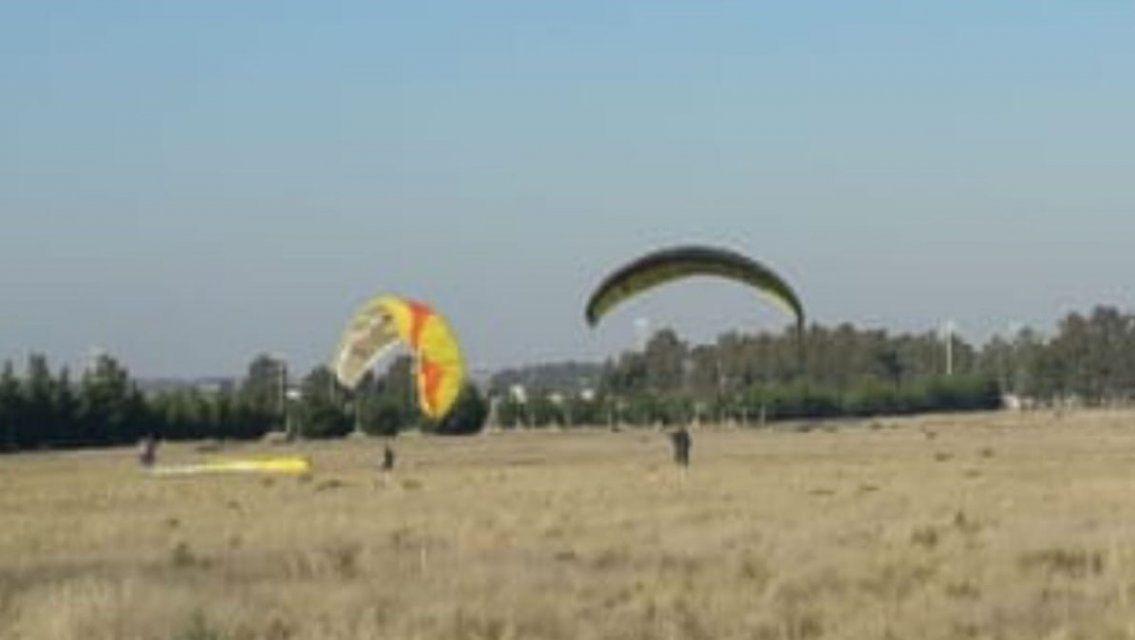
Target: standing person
(682, 442)
(387, 458)
(148, 451)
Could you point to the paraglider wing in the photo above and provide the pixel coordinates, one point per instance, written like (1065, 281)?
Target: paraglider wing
(667, 265)
(384, 323)
(441, 369)
(371, 334)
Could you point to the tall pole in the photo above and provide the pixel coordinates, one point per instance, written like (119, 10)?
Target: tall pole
(1012, 377)
(282, 391)
(949, 347)
(282, 405)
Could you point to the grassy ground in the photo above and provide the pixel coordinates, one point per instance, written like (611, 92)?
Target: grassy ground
(995, 526)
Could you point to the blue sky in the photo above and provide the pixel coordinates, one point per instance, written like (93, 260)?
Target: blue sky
(189, 183)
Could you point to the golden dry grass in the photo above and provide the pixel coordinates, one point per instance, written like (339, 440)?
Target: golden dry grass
(994, 526)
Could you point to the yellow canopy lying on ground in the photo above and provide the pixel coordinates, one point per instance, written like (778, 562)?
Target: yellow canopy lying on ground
(291, 465)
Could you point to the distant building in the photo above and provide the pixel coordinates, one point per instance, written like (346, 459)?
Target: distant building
(1014, 402)
(214, 386)
(152, 387)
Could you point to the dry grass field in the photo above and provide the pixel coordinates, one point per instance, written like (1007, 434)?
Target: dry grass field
(990, 526)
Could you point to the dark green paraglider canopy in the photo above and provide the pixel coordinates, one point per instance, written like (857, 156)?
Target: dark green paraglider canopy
(675, 263)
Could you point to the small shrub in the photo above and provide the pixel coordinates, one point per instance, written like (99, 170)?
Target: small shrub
(329, 485)
(756, 571)
(344, 558)
(197, 628)
(1076, 563)
(182, 556)
(964, 524)
(925, 537)
(963, 590)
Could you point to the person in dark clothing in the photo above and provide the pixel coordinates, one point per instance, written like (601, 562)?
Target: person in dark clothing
(387, 458)
(148, 451)
(682, 442)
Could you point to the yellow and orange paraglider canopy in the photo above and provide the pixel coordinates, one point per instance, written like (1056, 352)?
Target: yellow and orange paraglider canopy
(387, 321)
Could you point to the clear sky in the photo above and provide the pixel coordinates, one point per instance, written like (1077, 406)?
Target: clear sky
(189, 183)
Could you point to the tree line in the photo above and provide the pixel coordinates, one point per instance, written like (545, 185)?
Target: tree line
(839, 371)
(105, 406)
(745, 378)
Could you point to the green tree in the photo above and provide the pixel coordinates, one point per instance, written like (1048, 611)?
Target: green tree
(111, 409)
(39, 393)
(322, 412)
(382, 416)
(387, 404)
(263, 389)
(890, 365)
(398, 384)
(11, 408)
(510, 413)
(665, 359)
(65, 411)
